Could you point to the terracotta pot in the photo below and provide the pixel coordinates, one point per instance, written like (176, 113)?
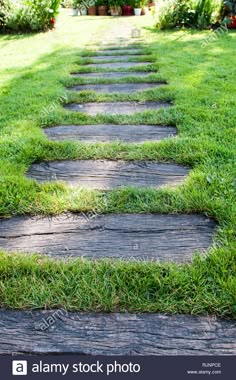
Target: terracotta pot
(150, 5)
(102, 10)
(127, 10)
(92, 11)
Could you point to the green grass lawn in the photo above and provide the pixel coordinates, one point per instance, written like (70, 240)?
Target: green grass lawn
(34, 71)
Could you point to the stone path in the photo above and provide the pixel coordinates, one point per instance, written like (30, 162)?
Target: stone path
(110, 132)
(118, 87)
(107, 174)
(112, 57)
(112, 74)
(114, 52)
(128, 236)
(114, 334)
(118, 108)
(117, 65)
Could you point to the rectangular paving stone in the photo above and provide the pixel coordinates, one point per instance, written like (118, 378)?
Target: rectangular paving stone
(112, 46)
(120, 42)
(108, 174)
(114, 334)
(127, 236)
(115, 108)
(116, 65)
(110, 132)
(119, 58)
(120, 51)
(113, 74)
(117, 87)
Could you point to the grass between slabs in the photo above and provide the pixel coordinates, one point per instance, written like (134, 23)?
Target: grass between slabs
(201, 88)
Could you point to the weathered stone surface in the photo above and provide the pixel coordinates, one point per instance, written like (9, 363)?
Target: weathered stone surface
(116, 65)
(119, 51)
(115, 108)
(108, 174)
(112, 75)
(114, 46)
(127, 236)
(114, 334)
(119, 58)
(110, 132)
(117, 87)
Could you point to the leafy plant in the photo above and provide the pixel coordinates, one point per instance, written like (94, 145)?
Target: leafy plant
(203, 14)
(185, 13)
(5, 11)
(137, 4)
(100, 3)
(67, 3)
(32, 15)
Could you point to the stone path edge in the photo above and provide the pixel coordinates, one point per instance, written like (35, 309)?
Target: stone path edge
(114, 334)
(161, 237)
(129, 133)
(116, 108)
(105, 174)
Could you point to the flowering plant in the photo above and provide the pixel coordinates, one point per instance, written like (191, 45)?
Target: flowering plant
(32, 15)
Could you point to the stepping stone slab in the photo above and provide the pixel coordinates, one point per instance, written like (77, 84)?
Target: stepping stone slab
(117, 87)
(120, 51)
(116, 65)
(108, 174)
(113, 75)
(111, 46)
(114, 334)
(118, 58)
(110, 132)
(115, 108)
(127, 236)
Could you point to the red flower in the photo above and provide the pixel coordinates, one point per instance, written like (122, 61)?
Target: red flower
(53, 21)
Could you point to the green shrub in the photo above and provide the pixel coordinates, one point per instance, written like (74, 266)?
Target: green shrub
(185, 13)
(32, 15)
(5, 11)
(203, 13)
(67, 3)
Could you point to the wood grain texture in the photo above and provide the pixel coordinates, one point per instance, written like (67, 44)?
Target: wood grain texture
(110, 132)
(117, 87)
(108, 174)
(112, 75)
(26, 332)
(128, 236)
(115, 108)
(116, 65)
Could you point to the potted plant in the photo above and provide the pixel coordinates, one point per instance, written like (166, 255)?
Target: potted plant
(137, 8)
(144, 6)
(92, 8)
(82, 5)
(114, 7)
(75, 10)
(102, 6)
(127, 9)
